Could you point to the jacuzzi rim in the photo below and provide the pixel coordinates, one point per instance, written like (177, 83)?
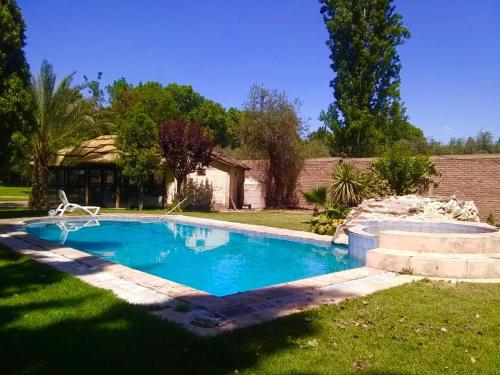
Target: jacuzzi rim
(360, 229)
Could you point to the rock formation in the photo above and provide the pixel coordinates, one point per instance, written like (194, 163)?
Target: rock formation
(408, 207)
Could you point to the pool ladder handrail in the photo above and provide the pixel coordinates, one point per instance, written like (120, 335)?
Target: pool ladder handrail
(176, 206)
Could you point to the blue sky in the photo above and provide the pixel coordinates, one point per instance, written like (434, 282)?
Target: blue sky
(451, 65)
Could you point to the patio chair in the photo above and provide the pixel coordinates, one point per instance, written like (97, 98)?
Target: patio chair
(65, 206)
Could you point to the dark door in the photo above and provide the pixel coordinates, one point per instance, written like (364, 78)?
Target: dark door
(102, 187)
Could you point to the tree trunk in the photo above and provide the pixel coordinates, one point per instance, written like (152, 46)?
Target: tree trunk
(140, 198)
(38, 196)
(178, 191)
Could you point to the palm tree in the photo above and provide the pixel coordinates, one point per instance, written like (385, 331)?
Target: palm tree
(61, 112)
(317, 196)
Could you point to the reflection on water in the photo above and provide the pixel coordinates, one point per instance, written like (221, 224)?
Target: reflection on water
(74, 226)
(198, 238)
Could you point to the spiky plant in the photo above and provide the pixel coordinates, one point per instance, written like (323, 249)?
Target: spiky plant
(60, 113)
(347, 185)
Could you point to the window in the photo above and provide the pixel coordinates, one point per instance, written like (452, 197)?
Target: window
(201, 172)
(76, 177)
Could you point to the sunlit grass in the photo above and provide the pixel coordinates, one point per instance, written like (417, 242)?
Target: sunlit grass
(14, 193)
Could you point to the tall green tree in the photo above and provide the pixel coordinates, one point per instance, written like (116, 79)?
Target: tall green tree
(367, 111)
(16, 104)
(62, 118)
(137, 139)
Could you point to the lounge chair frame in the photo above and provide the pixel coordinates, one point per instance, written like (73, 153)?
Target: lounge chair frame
(66, 206)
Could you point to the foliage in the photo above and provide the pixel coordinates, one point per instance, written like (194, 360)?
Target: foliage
(322, 224)
(483, 143)
(163, 103)
(62, 117)
(317, 196)
(270, 127)
(491, 219)
(327, 221)
(315, 148)
(367, 111)
(16, 102)
(347, 185)
(214, 117)
(137, 141)
(406, 172)
(375, 185)
(185, 145)
(151, 98)
(200, 195)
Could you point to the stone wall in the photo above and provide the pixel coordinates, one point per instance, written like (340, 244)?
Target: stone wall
(469, 177)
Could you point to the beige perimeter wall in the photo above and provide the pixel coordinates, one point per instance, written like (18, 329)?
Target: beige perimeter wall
(469, 177)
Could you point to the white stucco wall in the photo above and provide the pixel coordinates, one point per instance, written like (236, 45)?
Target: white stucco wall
(219, 179)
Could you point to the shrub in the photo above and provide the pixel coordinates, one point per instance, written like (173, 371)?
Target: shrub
(199, 195)
(350, 185)
(317, 196)
(347, 185)
(491, 219)
(322, 224)
(327, 221)
(406, 172)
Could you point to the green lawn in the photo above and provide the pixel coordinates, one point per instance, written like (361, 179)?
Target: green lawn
(51, 322)
(14, 193)
(288, 219)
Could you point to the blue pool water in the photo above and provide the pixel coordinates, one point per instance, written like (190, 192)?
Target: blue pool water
(214, 260)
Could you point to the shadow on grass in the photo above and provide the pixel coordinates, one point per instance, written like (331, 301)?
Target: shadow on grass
(52, 322)
(15, 213)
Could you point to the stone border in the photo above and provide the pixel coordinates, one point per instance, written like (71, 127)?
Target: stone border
(216, 314)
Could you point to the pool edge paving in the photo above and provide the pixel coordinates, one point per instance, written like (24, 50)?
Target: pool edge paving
(182, 304)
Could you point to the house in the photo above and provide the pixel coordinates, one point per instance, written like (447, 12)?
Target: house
(89, 174)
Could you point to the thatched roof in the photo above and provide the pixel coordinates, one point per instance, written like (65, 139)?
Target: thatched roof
(99, 151)
(103, 151)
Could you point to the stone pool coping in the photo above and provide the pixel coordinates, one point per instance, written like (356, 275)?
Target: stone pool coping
(169, 299)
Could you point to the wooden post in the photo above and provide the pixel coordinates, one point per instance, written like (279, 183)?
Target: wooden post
(117, 189)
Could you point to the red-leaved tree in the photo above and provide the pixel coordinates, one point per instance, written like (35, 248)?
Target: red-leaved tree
(185, 145)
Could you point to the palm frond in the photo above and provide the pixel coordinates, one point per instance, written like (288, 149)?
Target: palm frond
(316, 196)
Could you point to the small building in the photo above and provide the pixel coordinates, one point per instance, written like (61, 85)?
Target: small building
(89, 174)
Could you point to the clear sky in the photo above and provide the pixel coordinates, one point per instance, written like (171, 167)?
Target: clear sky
(451, 65)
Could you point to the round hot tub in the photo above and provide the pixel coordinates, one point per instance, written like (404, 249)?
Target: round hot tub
(423, 236)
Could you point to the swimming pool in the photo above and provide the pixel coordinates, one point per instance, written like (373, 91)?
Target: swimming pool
(212, 259)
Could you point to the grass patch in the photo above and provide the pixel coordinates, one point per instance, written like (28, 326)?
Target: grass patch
(51, 322)
(288, 219)
(14, 193)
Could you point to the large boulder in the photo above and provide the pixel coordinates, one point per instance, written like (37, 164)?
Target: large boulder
(408, 207)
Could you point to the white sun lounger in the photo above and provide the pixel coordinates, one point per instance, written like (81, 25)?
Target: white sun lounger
(65, 206)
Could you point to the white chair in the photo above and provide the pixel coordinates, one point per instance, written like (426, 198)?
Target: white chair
(65, 206)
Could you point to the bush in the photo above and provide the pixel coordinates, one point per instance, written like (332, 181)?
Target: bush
(199, 195)
(327, 221)
(347, 185)
(491, 219)
(406, 172)
(322, 224)
(350, 186)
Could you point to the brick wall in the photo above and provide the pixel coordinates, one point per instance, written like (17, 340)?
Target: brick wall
(469, 177)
